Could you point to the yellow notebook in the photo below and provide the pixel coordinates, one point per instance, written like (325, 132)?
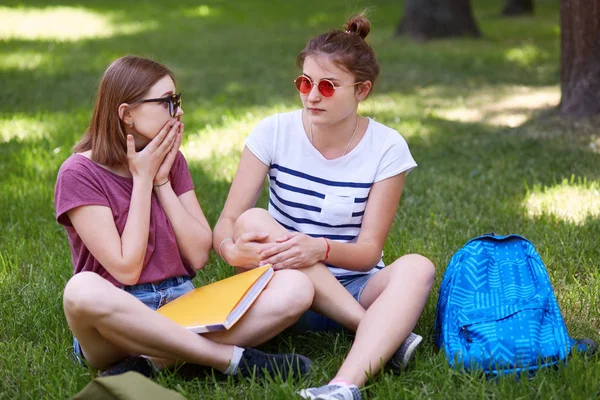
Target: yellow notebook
(216, 307)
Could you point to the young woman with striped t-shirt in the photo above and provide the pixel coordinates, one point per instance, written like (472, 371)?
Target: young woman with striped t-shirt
(335, 180)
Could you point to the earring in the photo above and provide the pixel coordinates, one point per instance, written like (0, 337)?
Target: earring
(131, 124)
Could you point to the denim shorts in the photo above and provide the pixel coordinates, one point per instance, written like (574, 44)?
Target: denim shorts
(153, 295)
(314, 322)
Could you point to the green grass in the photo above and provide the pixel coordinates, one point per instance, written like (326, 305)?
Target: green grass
(470, 110)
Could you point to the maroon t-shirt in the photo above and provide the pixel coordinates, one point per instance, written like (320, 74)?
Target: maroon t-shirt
(82, 182)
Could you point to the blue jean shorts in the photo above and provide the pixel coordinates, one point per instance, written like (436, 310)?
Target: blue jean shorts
(153, 295)
(313, 322)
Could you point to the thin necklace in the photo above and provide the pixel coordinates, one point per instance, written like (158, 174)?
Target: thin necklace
(351, 138)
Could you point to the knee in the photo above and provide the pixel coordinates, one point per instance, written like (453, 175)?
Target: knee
(86, 294)
(295, 294)
(421, 269)
(251, 220)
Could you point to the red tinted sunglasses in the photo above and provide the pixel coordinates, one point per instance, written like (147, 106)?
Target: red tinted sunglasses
(304, 85)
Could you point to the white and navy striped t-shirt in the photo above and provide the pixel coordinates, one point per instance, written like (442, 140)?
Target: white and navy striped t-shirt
(320, 197)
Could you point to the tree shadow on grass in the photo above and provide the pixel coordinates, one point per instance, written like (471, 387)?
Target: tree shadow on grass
(242, 55)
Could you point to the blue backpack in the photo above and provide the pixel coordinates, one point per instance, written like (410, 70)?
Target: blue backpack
(496, 310)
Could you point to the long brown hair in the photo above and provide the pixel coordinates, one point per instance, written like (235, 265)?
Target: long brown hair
(126, 80)
(347, 48)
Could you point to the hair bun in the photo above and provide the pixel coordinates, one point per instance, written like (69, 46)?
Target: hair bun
(358, 24)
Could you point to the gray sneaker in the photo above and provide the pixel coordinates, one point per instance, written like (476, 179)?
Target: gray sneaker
(138, 364)
(586, 346)
(255, 363)
(403, 355)
(331, 392)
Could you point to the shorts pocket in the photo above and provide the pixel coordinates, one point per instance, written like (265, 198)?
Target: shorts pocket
(150, 299)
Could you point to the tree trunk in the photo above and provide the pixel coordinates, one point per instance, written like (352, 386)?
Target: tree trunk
(580, 57)
(428, 19)
(518, 7)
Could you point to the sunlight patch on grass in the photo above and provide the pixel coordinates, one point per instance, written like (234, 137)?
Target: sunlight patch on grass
(228, 137)
(219, 141)
(386, 103)
(594, 144)
(19, 127)
(393, 108)
(511, 108)
(570, 201)
(23, 60)
(397, 111)
(523, 56)
(201, 11)
(6, 268)
(62, 24)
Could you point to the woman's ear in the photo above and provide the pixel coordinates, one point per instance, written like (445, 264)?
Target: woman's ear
(124, 114)
(363, 90)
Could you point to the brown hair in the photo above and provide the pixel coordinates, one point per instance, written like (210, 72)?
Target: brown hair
(126, 80)
(347, 48)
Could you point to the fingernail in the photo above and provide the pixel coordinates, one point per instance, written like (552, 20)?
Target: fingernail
(262, 264)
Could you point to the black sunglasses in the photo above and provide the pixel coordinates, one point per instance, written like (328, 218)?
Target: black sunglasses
(174, 101)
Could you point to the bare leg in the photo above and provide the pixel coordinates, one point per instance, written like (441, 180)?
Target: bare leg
(394, 299)
(111, 324)
(330, 297)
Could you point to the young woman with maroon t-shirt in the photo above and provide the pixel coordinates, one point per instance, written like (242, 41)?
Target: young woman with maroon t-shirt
(137, 235)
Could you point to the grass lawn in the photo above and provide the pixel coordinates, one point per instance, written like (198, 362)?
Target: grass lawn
(469, 109)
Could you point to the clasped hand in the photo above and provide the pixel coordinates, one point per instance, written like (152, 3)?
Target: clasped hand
(294, 250)
(156, 159)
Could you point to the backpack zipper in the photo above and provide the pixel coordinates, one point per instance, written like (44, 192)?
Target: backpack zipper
(465, 333)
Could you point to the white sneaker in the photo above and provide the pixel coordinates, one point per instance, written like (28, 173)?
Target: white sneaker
(331, 392)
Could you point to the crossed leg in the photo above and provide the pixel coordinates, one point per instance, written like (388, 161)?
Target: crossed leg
(389, 308)
(111, 324)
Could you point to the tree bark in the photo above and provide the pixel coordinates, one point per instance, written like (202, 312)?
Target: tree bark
(518, 7)
(429, 19)
(580, 57)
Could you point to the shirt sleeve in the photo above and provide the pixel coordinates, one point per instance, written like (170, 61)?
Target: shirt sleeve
(396, 160)
(75, 189)
(261, 141)
(181, 179)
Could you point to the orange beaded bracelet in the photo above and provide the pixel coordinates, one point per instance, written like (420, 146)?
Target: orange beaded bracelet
(328, 248)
